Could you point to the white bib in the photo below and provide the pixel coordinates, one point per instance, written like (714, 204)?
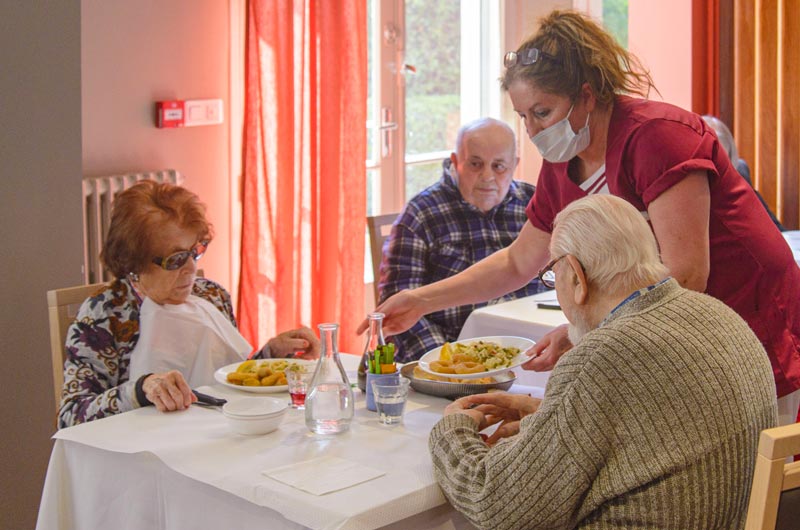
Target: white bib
(194, 338)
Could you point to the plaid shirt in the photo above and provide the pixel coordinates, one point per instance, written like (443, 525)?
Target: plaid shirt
(437, 235)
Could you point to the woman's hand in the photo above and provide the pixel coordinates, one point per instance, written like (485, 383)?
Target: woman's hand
(289, 343)
(549, 349)
(402, 311)
(168, 391)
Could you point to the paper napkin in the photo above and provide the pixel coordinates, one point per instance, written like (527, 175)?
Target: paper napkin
(323, 475)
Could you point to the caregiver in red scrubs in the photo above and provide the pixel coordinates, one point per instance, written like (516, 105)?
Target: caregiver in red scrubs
(567, 83)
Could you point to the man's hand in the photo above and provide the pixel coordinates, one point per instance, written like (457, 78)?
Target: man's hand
(168, 391)
(461, 406)
(288, 343)
(549, 350)
(501, 407)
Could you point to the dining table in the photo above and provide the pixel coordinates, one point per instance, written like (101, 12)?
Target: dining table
(143, 469)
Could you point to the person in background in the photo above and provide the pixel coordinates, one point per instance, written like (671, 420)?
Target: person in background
(569, 83)
(474, 210)
(651, 420)
(727, 141)
(158, 231)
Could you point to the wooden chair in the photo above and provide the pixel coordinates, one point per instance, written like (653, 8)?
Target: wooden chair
(379, 227)
(62, 306)
(775, 495)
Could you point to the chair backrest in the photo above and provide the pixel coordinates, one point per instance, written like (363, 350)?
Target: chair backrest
(62, 306)
(775, 495)
(379, 227)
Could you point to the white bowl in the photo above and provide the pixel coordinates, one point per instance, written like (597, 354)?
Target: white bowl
(254, 415)
(250, 407)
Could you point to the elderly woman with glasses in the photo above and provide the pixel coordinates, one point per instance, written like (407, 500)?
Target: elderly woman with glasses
(569, 84)
(158, 232)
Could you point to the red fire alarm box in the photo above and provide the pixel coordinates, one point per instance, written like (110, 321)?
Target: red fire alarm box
(170, 113)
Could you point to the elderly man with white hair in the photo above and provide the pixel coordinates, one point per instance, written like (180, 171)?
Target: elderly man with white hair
(474, 210)
(651, 420)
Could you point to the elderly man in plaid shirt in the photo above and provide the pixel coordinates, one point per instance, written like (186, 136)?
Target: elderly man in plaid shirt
(474, 210)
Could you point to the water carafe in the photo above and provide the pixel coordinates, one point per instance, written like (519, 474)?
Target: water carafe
(329, 400)
(374, 339)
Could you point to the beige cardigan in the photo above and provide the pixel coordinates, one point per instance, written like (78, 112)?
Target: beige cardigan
(652, 421)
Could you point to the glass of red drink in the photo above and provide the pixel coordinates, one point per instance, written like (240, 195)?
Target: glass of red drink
(298, 381)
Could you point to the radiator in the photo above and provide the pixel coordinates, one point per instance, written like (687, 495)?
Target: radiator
(98, 196)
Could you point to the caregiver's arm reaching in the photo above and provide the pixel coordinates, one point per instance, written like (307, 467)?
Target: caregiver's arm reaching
(504, 271)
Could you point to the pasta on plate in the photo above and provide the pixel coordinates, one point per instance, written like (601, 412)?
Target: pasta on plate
(473, 357)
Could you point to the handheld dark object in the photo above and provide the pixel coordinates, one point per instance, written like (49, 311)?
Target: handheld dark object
(209, 400)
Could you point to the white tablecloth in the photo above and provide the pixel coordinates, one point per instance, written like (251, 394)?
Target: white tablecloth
(147, 470)
(793, 238)
(518, 318)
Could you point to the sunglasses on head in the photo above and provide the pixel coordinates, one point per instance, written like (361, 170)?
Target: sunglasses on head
(179, 259)
(525, 57)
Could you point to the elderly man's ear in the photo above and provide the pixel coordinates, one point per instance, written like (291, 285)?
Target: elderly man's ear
(580, 285)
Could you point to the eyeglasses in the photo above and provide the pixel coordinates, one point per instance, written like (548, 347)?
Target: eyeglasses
(547, 275)
(177, 260)
(525, 57)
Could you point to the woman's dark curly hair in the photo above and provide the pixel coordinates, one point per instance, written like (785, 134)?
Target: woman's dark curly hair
(137, 216)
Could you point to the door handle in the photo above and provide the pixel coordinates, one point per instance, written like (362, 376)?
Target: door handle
(386, 128)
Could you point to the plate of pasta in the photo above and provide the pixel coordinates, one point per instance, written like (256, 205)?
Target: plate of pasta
(454, 388)
(476, 358)
(260, 376)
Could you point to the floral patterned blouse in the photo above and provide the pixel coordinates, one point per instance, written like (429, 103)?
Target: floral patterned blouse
(98, 351)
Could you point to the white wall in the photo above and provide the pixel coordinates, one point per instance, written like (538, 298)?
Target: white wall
(40, 230)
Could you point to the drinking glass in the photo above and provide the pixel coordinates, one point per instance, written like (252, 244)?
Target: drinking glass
(298, 381)
(390, 399)
(370, 401)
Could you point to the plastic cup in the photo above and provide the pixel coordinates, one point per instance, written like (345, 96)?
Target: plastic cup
(390, 399)
(378, 378)
(298, 382)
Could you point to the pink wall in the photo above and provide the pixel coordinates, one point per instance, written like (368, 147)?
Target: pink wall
(135, 53)
(660, 34)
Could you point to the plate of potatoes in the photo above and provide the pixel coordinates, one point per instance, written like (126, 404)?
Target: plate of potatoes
(260, 376)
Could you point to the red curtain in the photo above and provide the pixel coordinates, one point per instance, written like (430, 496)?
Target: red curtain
(304, 183)
(705, 57)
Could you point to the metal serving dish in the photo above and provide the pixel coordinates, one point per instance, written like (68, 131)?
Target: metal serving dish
(450, 390)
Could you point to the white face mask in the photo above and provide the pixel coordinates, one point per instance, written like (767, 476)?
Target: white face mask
(559, 143)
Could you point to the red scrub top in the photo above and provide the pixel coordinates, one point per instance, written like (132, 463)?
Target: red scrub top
(652, 146)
